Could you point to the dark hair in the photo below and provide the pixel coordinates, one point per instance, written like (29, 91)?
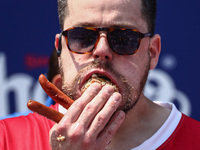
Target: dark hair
(53, 68)
(148, 11)
(62, 11)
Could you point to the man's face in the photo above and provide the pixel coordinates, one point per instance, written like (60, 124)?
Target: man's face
(128, 72)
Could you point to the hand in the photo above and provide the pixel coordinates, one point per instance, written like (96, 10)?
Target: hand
(90, 122)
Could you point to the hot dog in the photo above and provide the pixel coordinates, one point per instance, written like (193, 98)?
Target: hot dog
(57, 95)
(102, 81)
(45, 111)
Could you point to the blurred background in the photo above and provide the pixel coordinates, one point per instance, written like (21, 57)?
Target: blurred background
(27, 32)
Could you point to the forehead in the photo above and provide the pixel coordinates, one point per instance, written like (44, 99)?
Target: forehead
(105, 13)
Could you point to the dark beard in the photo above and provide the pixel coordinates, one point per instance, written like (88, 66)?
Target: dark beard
(132, 99)
(131, 95)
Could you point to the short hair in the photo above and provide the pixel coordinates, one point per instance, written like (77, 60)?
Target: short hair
(148, 10)
(62, 11)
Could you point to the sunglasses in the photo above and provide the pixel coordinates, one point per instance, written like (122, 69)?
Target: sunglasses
(83, 40)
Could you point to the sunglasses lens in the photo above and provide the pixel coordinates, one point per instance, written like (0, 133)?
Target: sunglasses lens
(124, 42)
(81, 40)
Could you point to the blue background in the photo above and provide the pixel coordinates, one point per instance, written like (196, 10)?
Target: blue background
(28, 28)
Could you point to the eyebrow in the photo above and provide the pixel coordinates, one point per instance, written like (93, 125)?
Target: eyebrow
(84, 24)
(117, 25)
(122, 26)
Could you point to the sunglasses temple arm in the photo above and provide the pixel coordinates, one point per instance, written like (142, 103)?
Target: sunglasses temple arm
(59, 45)
(147, 34)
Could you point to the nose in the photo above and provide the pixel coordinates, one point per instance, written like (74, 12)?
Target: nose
(102, 50)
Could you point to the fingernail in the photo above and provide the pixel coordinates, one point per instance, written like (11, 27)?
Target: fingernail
(121, 114)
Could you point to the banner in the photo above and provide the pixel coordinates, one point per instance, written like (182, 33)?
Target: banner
(28, 30)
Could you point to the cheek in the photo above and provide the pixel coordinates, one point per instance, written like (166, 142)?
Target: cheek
(71, 65)
(68, 68)
(133, 67)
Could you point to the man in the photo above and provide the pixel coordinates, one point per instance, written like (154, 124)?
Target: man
(113, 41)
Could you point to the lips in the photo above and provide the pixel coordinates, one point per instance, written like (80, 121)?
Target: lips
(99, 78)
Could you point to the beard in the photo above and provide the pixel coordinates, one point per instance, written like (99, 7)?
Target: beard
(130, 95)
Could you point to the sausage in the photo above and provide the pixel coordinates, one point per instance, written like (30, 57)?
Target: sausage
(57, 95)
(45, 111)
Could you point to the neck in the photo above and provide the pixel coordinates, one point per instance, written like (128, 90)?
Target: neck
(140, 124)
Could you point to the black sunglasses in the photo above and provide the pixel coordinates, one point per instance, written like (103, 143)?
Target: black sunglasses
(82, 40)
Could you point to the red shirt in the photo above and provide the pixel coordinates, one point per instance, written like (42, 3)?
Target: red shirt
(185, 137)
(25, 132)
(32, 133)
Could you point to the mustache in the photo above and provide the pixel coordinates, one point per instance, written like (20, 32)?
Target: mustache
(97, 64)
(71, 89)
(104, 65)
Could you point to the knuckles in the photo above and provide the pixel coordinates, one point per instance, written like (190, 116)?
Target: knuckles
(87, 143)
(100, 120)
(90, 108)
(78, 105)
(76, 132)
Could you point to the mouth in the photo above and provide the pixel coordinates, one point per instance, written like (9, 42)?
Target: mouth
(99, 78)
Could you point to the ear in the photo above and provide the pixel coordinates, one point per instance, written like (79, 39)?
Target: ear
(57, 81)
(56, 41)
(155, 48)
(58, 44)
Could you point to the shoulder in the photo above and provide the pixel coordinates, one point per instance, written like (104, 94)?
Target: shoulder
(25, 129)
(190, 120)
(190, 125)
(24, 121)
(185, 136)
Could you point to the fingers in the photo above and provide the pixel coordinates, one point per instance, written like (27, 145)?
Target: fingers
(111, 128)
(91, 121)
(102, 118)
(98, 102)
(77, 107)
(90, 103)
